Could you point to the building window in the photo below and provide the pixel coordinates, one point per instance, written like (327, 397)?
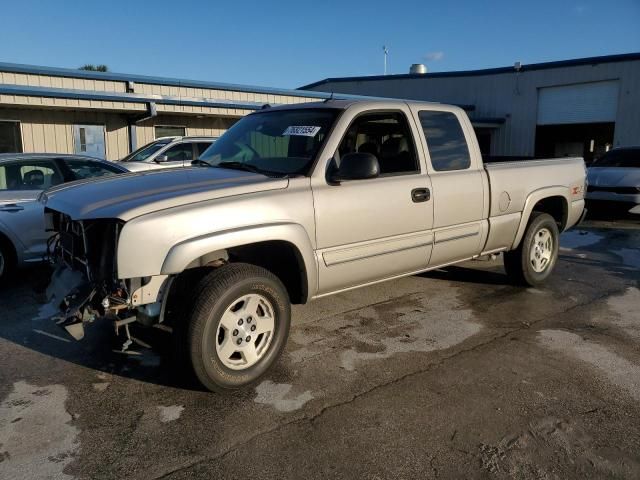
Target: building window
(89, 140)
(169, 131)
(10, 138)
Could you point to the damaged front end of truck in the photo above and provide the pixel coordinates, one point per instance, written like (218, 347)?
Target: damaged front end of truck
(85, 285)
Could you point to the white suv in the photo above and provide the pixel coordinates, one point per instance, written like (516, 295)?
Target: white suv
(167, 152)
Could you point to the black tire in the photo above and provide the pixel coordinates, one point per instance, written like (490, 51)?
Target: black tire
(7, 260)
(214, 294)
(517, 262)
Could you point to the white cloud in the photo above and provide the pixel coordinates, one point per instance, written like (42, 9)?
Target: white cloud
(434, 56)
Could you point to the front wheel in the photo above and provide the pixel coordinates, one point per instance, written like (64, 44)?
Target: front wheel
(238, 326)
(534, 259)
(7, 260)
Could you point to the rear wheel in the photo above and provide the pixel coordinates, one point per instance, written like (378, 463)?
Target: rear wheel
(534, 259)
(238, 326)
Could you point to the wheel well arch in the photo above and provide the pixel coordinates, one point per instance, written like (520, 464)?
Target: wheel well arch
(285, 249)
(556, 206)
(553, 201)
(280, 257)
(6, 241)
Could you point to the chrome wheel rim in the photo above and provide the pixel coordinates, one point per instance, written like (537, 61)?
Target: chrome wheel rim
(541, 250)
(245, 331)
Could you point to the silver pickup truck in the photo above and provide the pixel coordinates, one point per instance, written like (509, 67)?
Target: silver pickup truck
(294, 203)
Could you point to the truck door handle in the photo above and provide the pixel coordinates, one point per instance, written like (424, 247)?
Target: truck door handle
(11, 207)
(420, 195)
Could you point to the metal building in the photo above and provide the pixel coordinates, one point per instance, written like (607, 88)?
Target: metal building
(108, 114)
(574, 107)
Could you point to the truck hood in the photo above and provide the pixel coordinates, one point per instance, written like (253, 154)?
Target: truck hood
(130, 195)
(614, 176)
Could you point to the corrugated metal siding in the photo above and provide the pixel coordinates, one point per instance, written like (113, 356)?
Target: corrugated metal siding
(61, 82)
(207, 126)
(11, 78)
(513, 96)
(46, 122)
(61, 103)
(66, 103)
(51, 131)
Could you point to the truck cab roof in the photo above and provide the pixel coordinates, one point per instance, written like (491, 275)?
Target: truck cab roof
(370, 102)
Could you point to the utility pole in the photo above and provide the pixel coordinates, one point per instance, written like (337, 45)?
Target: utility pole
(385, 50)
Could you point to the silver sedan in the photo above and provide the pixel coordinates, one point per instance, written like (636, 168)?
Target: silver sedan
(23, 177)
(615, 177)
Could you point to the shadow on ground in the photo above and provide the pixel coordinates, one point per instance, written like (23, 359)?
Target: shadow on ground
(25, 321)
(22, 321)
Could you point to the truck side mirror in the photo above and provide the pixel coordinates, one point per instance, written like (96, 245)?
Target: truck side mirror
(161, 158)
(356, 166)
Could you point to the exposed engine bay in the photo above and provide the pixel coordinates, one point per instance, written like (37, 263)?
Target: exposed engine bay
(85, 280)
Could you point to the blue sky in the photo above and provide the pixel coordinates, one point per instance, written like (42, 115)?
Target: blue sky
(291, 43)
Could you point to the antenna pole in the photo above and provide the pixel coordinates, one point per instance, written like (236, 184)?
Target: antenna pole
(385, 50)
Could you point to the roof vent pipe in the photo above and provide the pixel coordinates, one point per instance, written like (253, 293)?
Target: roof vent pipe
(418, 69)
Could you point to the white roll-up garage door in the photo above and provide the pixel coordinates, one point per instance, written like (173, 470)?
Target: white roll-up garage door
(580, 103)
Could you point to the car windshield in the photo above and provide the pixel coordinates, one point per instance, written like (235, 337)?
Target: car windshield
(619, 158)
(277, 142)
(145, 152)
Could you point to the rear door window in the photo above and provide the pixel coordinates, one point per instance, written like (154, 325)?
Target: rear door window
(201, 147)
(181, 152)
(88, 169)
(445, 140)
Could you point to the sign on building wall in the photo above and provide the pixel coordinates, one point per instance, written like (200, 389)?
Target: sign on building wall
(89, 140)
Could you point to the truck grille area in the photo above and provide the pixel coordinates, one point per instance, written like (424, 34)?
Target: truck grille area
(88, 246)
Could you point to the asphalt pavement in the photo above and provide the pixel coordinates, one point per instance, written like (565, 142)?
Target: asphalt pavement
(450, 374)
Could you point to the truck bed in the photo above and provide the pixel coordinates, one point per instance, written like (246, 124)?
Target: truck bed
(515, 188)
(508, 179)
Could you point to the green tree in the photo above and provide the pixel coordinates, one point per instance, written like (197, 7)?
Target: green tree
(94, 68)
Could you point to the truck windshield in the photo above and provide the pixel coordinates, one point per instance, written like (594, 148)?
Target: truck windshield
(277, 142)
(145, 152)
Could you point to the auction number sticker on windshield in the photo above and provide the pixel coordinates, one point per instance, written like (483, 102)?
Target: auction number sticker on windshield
(301, 131)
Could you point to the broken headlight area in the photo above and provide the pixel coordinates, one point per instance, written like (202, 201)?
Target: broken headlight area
(84, 285)
(88, 246)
